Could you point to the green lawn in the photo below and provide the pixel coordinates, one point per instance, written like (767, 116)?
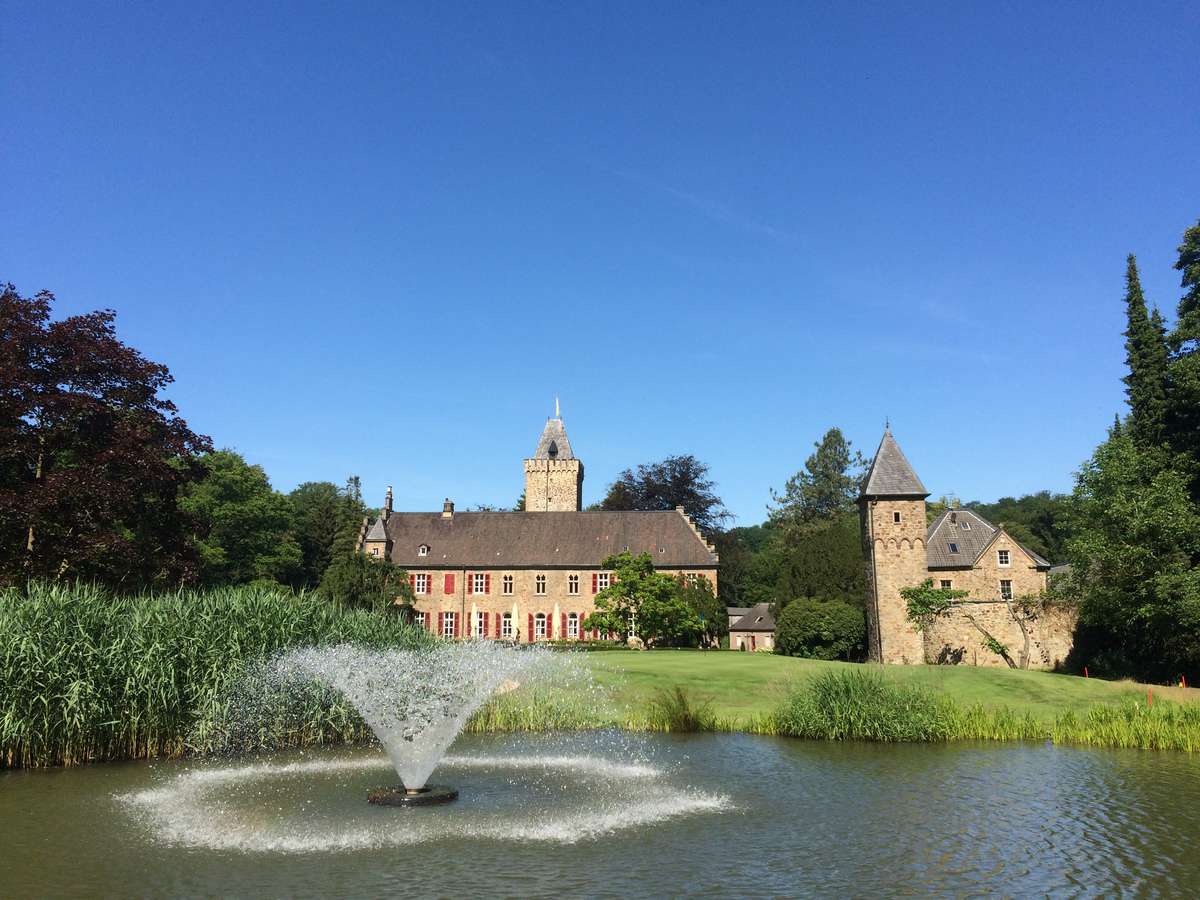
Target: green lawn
(741, 685)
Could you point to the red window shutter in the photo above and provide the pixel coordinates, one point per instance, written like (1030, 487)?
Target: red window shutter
(595, 581)
(487, 583)
(531, 634)
(499, 619)
(412, 582)
(448, 583)
(470, 582)
(563, 631)
(441, 616)
(458, 626)
(487, 620)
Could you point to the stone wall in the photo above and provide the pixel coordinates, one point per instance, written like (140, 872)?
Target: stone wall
(953, 640)
(553, 485)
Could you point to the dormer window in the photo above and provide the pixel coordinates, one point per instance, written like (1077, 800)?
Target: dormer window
(423, 550)
(954, 548)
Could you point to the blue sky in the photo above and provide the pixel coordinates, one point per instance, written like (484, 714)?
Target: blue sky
(380, 238)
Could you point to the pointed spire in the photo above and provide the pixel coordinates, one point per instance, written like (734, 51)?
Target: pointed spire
(554, 436)
(891, 474)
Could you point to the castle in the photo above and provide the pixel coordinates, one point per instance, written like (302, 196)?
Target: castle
(531, 575)
(958, 550)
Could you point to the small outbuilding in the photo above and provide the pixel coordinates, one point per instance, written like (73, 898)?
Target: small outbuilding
(753, 630)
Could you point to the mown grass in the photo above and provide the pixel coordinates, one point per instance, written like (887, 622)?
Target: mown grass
(86, 675)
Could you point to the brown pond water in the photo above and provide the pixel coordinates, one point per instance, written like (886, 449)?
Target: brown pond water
(611, 815)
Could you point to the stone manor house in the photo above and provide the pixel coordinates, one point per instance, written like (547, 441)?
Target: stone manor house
(958, 550)
(532, 575)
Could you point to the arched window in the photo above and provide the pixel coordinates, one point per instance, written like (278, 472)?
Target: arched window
(506, 626)
(539, 626)
(573, 626)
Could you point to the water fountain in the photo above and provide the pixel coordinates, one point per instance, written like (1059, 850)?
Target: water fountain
(416, 701)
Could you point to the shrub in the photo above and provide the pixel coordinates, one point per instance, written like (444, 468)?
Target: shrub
(674, 709)
(820, 629)
(860, 704)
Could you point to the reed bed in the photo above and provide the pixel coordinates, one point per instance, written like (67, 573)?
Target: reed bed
(87, 675)
(866, 706)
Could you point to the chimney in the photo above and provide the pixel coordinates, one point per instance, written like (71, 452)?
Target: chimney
(448, 509)
(387, 504)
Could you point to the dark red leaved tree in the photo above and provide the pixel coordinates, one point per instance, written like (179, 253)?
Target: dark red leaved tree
(91, 457)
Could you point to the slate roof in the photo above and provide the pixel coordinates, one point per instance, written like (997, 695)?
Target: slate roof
(496, 540)
(377, 532)
(736, 612)
(890, 474)
(970, 533)
(553, 435)
(750, 621)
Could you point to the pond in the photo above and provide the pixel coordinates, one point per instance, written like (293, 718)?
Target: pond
(616, 815)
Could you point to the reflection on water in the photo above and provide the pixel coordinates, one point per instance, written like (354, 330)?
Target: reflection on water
(711, 815)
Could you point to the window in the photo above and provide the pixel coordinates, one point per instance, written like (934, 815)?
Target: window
(573, 624)
(539, 584)
(896, 517)
(479, 584)
(954, 548)
(539, 626)
(423, 550)
(691, 578)
(506, 584)
(1002, 557)
(480, 624)
(946, 584)
(374, 551)
(964, 525)
(421, 583)
(1005, 589)
(420, 620)
(572, 584)
(602, 581)
(448, 624)
(506, 625)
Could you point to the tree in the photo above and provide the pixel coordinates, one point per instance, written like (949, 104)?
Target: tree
(698, 594)
(644, 603)
(324, 518)
(91, 457)
(1183, 381)
(675, 481)
(1134, 570)
(825, 488)
(820, 629)
(364, 582)
(246, 534)
(1146, 357)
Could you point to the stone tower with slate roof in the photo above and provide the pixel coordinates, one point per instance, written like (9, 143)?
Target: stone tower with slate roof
(553, 476)
(892, 515)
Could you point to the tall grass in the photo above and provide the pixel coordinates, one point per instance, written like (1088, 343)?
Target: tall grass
(86, 675)
(864, 705)
(674, 709)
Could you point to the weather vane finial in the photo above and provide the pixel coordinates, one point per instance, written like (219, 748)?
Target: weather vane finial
(887, 423)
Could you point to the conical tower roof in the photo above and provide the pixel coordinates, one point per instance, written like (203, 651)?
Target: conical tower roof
(890, 474)
(554, 443)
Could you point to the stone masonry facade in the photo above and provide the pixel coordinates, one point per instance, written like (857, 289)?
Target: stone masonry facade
(961, 551)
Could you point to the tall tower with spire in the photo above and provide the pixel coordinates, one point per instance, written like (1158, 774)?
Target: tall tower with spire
(892, 516)
(553, 476)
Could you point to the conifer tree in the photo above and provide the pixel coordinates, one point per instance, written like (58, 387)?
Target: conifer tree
(1183, 400)
(1146, 355)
